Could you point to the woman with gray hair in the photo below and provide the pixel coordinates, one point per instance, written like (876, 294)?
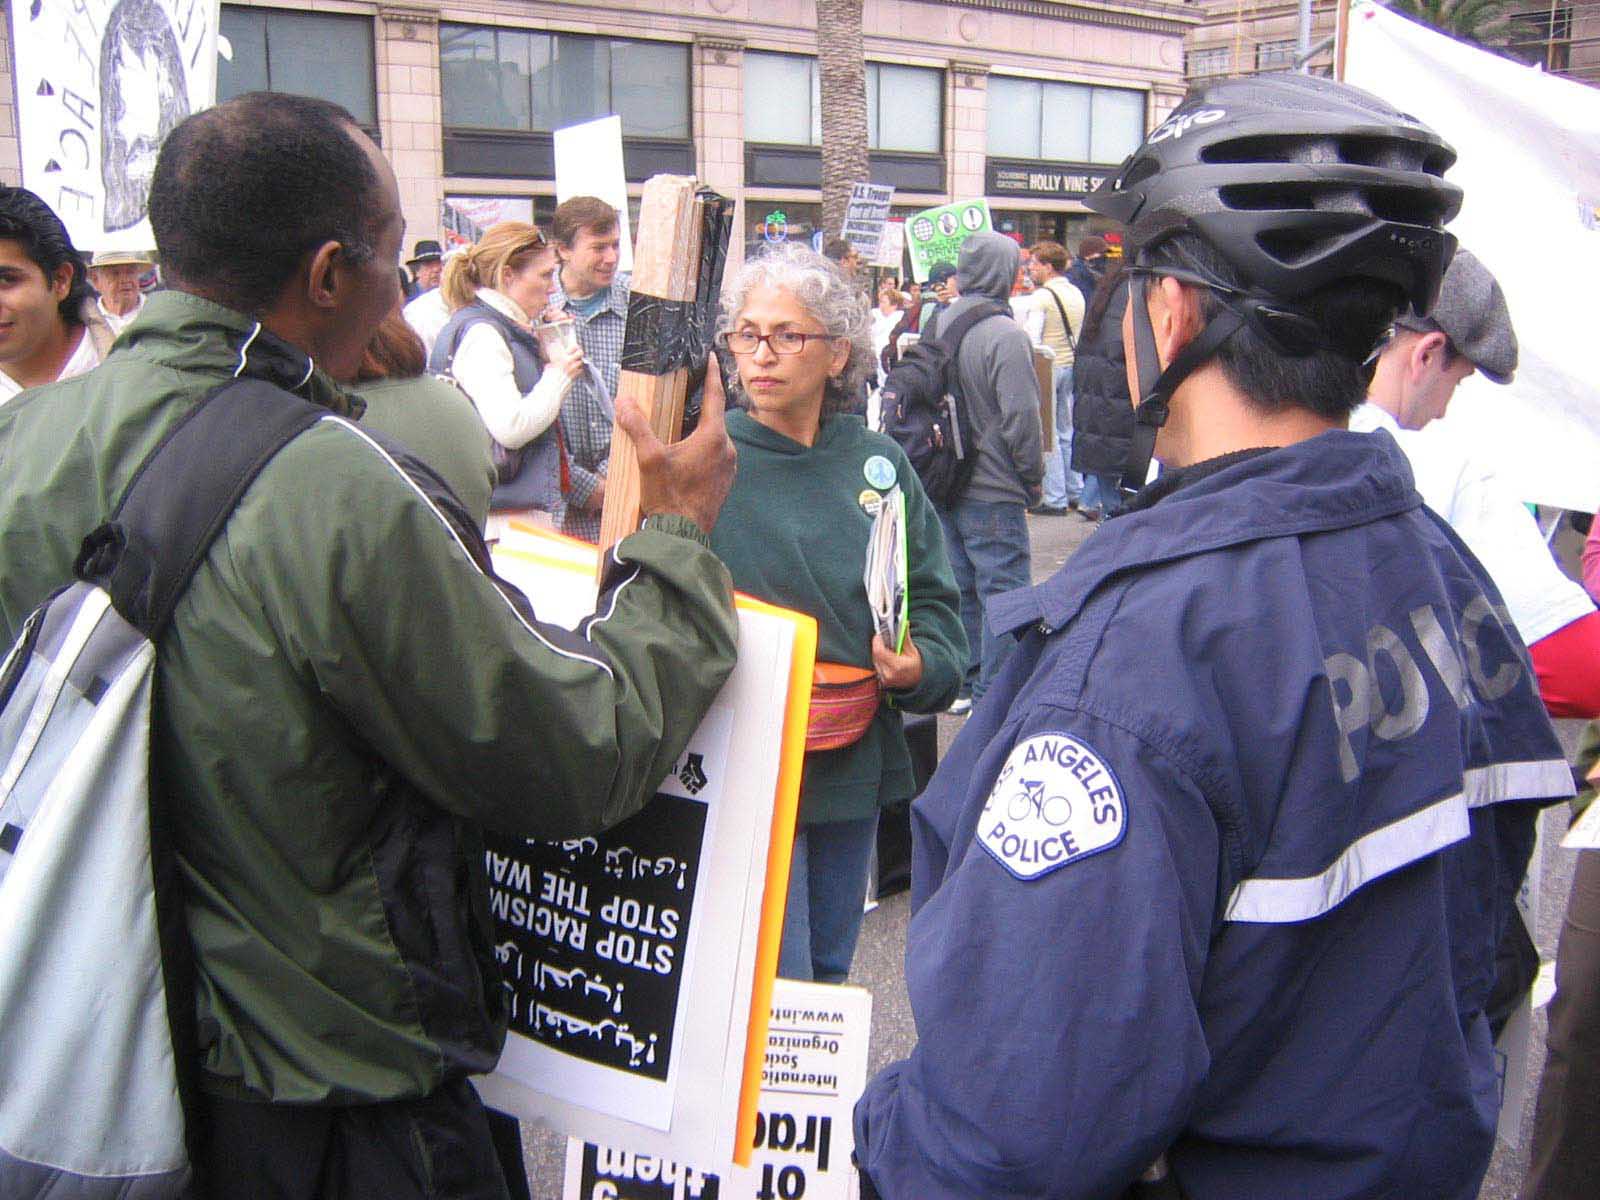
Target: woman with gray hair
(794, 531)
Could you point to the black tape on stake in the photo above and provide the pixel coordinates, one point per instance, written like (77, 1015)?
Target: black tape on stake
(660, 338)
(716, 228)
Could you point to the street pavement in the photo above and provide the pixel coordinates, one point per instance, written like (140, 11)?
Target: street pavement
(879, 961)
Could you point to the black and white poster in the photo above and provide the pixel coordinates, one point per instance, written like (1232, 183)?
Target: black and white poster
(100, 84)
(815, 1070)
(594, 938)
(631, 957)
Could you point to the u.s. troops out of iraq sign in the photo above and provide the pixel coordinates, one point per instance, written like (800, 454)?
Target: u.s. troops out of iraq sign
(100, 84)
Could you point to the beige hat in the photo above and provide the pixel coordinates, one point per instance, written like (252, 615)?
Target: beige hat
(122, 258)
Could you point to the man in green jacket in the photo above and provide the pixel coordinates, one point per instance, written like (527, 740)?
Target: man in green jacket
(345, 696)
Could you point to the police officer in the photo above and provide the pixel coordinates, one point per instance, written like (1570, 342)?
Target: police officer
(1215, 873)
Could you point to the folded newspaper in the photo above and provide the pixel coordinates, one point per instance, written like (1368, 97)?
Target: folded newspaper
(885, 575)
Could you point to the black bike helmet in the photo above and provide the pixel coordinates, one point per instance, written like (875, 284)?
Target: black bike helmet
(1297, 182)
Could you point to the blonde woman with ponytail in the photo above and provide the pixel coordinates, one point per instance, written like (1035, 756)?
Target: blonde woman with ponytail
(497, 290)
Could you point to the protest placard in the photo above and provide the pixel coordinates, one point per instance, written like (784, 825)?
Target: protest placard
(892, 246)
(99, 87)
(1585, 832)
(865, 216)
(640, 961)
(589, 163)
(816, 1068)
(934, 235)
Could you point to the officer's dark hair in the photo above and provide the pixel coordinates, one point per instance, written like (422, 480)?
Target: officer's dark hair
(34, 226)
(243, 191)
(1353, 314)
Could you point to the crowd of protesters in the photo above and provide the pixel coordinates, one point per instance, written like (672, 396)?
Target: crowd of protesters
(1221, 865)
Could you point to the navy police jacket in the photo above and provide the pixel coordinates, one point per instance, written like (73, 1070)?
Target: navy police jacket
(1219, 866)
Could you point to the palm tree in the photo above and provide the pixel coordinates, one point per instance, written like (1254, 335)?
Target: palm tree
(842, 75)
(1483, 22)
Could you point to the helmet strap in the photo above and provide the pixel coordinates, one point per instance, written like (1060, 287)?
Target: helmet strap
(1156, 385)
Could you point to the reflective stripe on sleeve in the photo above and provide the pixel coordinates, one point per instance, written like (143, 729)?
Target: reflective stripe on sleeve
(1396, 845)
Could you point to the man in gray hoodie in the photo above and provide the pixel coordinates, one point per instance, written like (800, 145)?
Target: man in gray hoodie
(986, 528)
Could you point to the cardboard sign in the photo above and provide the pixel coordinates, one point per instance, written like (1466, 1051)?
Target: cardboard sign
(892, 246)
(816, 1068)
(99, 87)
(935, 235)
(865, 217)
(640, 961)
(589, 163)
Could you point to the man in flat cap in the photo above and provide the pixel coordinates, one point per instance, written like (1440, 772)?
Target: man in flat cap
(115, 274)
(1470, 330)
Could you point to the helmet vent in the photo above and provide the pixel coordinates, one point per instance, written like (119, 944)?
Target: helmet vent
(1138, 172)
(1250, 150)
(1270, 197)
(1292, 247)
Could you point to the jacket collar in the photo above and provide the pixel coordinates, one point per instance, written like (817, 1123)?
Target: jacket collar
(742, 427)
(616, 297)
(188, 333)
(1333, 481)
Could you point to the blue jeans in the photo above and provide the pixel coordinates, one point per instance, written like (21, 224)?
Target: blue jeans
(988, 545)
(1103, 492)
(1061, 483)
(827, 899)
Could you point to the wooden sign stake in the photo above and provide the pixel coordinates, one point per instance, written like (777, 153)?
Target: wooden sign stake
(666, 269)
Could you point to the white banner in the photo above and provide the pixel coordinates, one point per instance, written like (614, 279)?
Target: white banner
(1529, 147)
(99, 87)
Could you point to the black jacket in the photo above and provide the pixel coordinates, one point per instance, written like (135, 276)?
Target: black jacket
(1102, 414)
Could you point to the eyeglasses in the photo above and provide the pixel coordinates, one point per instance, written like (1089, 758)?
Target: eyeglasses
(785, 341)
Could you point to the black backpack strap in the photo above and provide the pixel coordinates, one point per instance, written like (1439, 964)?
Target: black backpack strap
(950, 337)
(183, 494)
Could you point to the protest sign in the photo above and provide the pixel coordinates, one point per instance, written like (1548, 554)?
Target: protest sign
(637, 959)
(464, 219)
(816, 1068)
(865, 216)
(1529, 162)
(99, 87)
(892, 246)
(1585, 833)
(589, 163)
(935, 235)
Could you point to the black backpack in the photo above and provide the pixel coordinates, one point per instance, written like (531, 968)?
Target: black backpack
(923, 410)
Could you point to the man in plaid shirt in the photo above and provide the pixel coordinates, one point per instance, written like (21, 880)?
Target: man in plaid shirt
(587, 236)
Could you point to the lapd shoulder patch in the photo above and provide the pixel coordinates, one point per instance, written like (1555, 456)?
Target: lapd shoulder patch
(1055, 801)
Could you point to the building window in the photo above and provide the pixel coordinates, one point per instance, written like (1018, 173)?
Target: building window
(903, 108)
(783, 104)
(520, 80)
(1068, 122)
(325, 55)
(1276, 56)
(1210, 60)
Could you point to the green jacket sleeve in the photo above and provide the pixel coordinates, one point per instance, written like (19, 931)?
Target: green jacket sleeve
(525, 727)
(935, 605)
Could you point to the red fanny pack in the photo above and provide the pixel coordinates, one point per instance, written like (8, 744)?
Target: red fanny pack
(843, 702)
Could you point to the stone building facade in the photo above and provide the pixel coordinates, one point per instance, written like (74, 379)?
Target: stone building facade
(1027, 102)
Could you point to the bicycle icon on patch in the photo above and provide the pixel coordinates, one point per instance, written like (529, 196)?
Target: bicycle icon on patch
(1031, 800)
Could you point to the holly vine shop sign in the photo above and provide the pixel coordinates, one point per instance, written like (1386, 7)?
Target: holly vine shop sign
(1043, 181)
